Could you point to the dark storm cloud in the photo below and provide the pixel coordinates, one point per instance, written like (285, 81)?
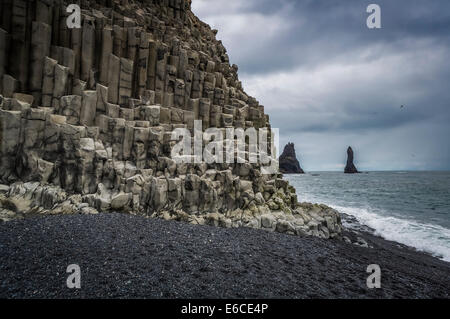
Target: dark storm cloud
(326, 29)
(323, 76)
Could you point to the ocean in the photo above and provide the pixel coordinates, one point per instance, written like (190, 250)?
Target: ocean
(412, 208)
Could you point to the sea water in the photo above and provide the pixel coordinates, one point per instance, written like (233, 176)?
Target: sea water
(412, 208)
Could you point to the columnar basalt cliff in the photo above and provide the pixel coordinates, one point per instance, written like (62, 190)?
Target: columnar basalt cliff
(350, 168)
(87, 114)
(288, 161)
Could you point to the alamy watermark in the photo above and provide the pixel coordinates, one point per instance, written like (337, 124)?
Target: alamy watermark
(227, 145)
(374, 19)
(74, 279)
(73, 21)
(374, 280)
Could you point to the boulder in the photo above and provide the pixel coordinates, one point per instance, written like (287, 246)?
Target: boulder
(120, 201)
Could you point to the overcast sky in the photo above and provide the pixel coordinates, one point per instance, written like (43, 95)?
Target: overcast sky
(327, 81)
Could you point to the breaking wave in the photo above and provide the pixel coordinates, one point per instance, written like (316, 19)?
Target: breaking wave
(433, 239)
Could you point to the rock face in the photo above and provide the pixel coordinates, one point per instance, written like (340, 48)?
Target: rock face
(288, 162)
(87, 115)
(350, 167)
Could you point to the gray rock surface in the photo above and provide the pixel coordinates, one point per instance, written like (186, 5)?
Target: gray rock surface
(86, 117)
(350, 168)
(288, 161)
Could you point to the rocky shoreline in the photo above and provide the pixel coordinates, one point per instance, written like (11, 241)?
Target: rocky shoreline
(86, 133)
(126, 256)
(22, 200)
(87, 122)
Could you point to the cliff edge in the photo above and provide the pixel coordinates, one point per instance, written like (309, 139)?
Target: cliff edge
(87, 116)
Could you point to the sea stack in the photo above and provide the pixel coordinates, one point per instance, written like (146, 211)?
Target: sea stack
(288, 161)
(350, 167)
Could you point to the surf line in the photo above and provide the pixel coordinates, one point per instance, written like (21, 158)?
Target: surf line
(192, 309)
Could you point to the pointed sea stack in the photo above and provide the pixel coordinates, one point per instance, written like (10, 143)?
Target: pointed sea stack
(350, 167)
(288, 161)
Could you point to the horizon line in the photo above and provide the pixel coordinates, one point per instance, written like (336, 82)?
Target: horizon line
(386, 170)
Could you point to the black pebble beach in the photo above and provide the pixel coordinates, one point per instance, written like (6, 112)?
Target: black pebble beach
(125, 256)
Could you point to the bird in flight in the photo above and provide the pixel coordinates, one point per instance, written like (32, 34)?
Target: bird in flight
(402, 106)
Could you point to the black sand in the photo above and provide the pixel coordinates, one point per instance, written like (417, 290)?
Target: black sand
(124, 256)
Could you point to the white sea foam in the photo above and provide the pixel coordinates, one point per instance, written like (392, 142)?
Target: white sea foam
(430, 238)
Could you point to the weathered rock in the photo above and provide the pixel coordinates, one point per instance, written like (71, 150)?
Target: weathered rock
(88, 47)
(113, 79)
(102, 98)
(3, 56)
(88, 108)
(60, 84)
(87, 116)
(40, 45)
(288, 161)
(120, 202)
(125, 83)
(70, 107)
(350, 167)
(48, 81)
(107, 50)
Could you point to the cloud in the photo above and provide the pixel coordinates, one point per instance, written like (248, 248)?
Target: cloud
(245, 29)
(328, 81)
